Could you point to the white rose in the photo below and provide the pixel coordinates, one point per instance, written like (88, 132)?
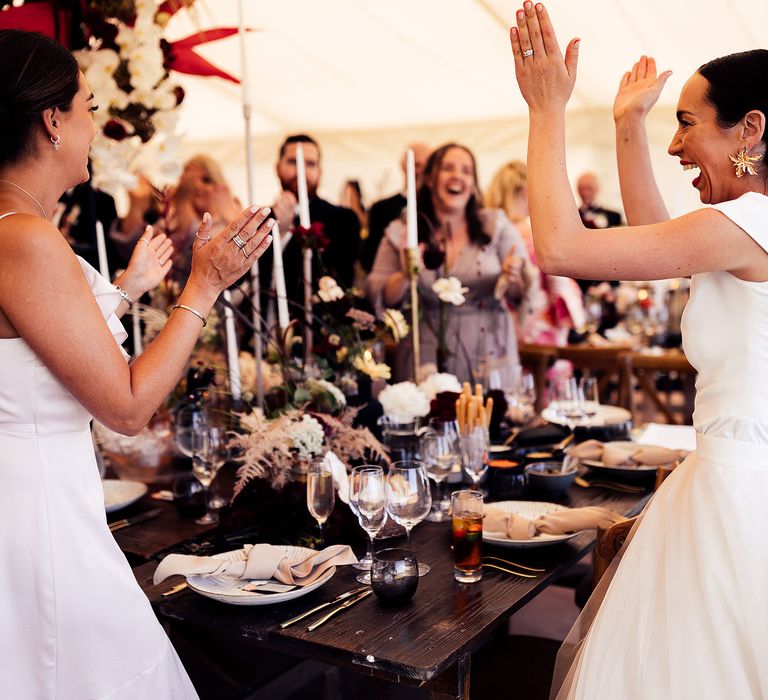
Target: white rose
(328, 290)
(449, 290)
(404, 399)
(439, 382)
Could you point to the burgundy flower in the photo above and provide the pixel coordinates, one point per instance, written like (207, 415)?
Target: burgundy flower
(115, 130)
(313, 237)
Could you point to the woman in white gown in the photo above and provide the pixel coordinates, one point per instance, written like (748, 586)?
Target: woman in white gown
(684, 615)
(73, 622)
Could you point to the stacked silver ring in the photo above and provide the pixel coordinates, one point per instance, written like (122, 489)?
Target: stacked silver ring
(527, 53)
(239, 242)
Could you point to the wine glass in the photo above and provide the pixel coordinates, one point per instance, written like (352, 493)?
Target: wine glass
(441, 454)
(213, 452)
(588, 394)
(369, 498)
(568, 402)
(190, 417)
(526, 391)
(320, 492)
(408, 497)
(475, 450)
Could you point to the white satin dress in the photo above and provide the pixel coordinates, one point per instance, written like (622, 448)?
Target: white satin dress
(74, 624)
(685, 616)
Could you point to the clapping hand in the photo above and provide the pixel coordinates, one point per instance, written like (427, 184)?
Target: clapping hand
(546, 79)
(639, 89)
(220, 259)
(149, 263)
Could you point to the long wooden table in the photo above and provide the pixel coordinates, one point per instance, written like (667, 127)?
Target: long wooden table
(429, 641)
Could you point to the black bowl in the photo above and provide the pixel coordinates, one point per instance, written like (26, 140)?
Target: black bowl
(548, 477)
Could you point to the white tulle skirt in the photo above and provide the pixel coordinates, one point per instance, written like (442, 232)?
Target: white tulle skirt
(683, 613)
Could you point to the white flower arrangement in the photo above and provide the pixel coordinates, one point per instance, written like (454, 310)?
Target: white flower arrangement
(328, 289)
(307, 436)
(404, 399)
(150, 96)
(439, 382)
(450, 291)
(332, 389)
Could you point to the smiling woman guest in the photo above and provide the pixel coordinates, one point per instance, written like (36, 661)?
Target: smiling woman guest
(683, 613)
(74, 622)
(478, 247)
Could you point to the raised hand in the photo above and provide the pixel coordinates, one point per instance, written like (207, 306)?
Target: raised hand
(639, 89)
(546, 79)
(219, 260)
(149, 263)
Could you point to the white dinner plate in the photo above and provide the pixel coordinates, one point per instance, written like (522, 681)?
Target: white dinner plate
(119, 493)
(228, 589)
(606, 415)
(529, 510)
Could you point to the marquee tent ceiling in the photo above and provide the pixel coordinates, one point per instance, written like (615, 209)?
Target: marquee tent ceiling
(335, 65)
(368, 76)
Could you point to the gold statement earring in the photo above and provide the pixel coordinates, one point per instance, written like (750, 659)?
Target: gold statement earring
(745, 163)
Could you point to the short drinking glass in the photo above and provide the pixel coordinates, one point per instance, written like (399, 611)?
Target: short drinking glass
(467, 508)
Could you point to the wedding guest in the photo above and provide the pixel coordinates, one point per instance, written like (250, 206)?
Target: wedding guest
(561, 307)
(477, 247)
(591, 213)
(385, 211)
(74, 622)
(683, 610)
(201, 188)
(340, 227)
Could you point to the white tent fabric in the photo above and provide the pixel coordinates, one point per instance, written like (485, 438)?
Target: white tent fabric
(365, 77)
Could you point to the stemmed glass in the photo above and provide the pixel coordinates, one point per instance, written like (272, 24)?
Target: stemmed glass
(475, 450)
(368, 499)
(589, 397)
(568, 402)
(321, 494)
(441, 453)
(213, 452)
(408, 497)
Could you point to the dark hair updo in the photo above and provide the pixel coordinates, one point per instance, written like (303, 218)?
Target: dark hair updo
(738, 83)
(36, 74)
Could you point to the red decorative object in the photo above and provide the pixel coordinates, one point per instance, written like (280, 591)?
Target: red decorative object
(313, 237)
(183, 59)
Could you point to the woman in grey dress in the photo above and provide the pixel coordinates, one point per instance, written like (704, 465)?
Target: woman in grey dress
(479, 247)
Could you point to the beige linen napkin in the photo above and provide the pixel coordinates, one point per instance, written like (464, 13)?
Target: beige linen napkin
(259, 561)
(626, 454)
(516, 527)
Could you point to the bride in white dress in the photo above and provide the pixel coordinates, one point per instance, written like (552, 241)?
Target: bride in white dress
(685, 614)
(73, 622)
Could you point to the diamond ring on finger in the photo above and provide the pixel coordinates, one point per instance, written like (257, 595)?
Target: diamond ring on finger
(527, 53)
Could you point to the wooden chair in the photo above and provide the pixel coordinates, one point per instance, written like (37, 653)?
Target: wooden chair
(646, 369)
(607, 364)
(610, 538)
(537, 359)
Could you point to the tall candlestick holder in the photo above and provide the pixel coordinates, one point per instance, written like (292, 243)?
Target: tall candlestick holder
(412, 262)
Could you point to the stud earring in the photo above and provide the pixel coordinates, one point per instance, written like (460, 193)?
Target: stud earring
(745, 163)
(56, 142)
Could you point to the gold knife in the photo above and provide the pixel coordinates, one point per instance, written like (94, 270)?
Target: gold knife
(337, 610)
(338, 599)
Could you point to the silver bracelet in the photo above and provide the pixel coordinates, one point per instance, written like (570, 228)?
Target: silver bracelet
(191, 310)
(124, 296)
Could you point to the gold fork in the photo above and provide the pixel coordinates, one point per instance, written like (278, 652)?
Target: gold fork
(512, 563)
(509, 571)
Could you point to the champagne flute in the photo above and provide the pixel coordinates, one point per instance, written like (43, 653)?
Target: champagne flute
(320, 493)
(369, 498)
(475, 450)
(408, 497)
(213, 453)
(588, 393)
